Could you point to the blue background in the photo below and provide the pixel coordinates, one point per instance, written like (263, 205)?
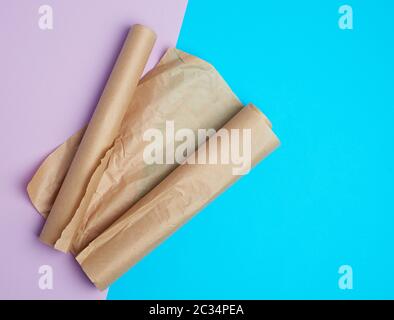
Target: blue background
(325, 197)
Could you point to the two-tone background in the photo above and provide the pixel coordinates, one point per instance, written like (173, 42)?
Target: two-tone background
(323, 200)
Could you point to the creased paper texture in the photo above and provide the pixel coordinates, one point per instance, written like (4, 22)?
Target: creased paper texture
(181, 88)
(171, 203)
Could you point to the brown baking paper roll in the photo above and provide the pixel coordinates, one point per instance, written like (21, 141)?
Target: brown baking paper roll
(181, 88)
(102, 130)
(172, 202)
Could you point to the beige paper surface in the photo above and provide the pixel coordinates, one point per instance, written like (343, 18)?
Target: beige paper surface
(102, 129)
(170, 204)
(181, 88)
(45, 184)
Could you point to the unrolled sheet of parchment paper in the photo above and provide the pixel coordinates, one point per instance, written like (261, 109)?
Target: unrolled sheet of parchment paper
(181, 88)
(184, 192)
(101, 131)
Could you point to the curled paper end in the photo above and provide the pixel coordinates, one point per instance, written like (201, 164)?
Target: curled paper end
(46, 182)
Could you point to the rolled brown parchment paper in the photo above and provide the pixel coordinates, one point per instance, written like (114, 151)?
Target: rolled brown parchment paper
(102, 130)
(172, 202)
(181, 88)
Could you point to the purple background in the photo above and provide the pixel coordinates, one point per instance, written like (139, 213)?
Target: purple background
(50, 82)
